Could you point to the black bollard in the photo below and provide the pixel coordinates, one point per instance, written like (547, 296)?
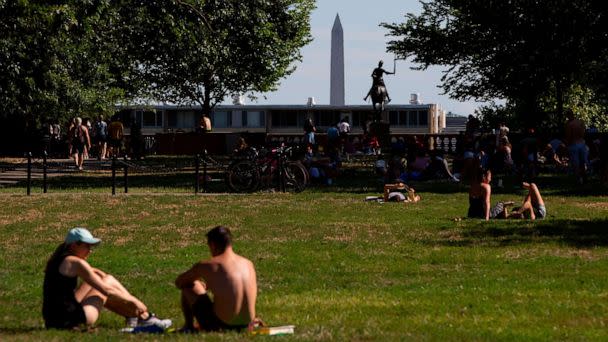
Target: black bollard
(113, 175)
(197, 169)
(29, 173)
(44, 171)
(126, 175)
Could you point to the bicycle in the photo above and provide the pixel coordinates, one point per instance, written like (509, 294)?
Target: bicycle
(258, 169)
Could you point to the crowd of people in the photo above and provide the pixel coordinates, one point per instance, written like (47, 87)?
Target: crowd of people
(85, 138)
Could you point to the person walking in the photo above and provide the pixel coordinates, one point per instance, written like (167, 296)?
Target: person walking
(80, 142)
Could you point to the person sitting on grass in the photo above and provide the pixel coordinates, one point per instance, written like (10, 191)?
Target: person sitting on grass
(231, 279)
(480, 195)
(533, 206)
(68, 306)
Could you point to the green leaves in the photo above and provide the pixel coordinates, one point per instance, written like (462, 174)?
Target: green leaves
(516, 50)
(207, 50)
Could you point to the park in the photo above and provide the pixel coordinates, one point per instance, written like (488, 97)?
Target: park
(374, 222)
(335, 266)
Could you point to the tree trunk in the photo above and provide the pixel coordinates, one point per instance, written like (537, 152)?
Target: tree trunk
(559, 97)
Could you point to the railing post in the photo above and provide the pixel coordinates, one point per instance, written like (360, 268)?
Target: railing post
(126, 175)
(113, 174)
(205, 173)
(197, 167)
(44, 171)
(29, 173)
(281, 172)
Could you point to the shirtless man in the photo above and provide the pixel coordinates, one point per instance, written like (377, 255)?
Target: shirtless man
(575, 140)
(232, 280)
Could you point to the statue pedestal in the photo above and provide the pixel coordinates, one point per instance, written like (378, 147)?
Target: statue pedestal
(381, 130)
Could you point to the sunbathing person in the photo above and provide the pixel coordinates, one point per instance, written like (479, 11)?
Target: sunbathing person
(68, 306)
(480, 195)
(232, 280)
(393, 193)
(533, 206)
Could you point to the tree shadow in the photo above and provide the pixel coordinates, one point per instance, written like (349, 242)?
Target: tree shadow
(576, 233)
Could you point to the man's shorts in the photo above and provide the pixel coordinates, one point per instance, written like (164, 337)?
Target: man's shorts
(70, 317)
(77, 147)
(101, 139)
(206, 317)
(540, 211)
(115, 143)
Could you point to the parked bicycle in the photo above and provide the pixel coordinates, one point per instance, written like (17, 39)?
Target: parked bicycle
(267, 169)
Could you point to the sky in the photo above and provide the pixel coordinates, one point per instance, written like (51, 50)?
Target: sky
(364, 45)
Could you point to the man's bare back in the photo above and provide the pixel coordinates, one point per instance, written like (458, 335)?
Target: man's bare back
(231, 279)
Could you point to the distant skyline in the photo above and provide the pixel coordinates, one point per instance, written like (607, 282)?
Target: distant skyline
(364, 45)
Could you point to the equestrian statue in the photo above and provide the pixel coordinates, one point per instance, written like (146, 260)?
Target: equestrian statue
(378, 91)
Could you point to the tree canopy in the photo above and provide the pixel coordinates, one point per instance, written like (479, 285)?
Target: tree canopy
(62, 59)
(518, 50)
(198, 52)
(58, 60)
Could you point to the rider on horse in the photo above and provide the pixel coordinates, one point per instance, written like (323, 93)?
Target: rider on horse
(378, 81)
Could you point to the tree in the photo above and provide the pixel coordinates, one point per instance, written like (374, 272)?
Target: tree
(518, 50)
(198, 52)
(58, 60)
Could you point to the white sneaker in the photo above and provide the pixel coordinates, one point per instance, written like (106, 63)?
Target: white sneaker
(152, 320)
(131, 322)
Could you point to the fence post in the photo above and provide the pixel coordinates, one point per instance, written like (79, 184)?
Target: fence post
(126, 175)
(114, 175)
(29, 173)
(281, 172)
(205, 173)
(44, 170)
(197, 167)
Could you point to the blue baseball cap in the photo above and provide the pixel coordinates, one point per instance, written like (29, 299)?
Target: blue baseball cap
(79, 234)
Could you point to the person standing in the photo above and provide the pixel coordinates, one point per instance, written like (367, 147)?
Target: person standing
(231, 279)
(309, 132)
(344, 130)
(101, 135)
(575, 140)
(80, 141)
(115, 134)
(68, 306)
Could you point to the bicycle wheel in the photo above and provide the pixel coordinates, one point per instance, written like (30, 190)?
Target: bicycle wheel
(242, 176)
(296, 177)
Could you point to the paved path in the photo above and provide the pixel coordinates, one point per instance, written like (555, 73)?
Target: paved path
(14, 172)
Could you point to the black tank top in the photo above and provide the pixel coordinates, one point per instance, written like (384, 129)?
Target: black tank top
(58, 291)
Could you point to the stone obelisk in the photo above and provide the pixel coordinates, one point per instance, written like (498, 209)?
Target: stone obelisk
(336, 91)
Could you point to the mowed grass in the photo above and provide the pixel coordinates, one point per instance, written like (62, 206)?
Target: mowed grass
(333, 265)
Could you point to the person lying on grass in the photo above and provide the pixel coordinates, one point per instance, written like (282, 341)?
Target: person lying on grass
(232, 280)
(533, 206)
(68, 306)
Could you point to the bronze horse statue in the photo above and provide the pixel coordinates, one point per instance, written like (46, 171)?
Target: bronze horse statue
(379, 97)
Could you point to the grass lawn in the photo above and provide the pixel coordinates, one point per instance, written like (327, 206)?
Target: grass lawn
(333, 265)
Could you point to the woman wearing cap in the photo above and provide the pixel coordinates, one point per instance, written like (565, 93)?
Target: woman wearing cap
(67, 306)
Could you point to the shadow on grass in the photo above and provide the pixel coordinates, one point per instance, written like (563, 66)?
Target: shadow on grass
(570, 232)
(20, 330)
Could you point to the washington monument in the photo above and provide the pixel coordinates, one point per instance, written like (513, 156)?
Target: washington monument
(336, 92)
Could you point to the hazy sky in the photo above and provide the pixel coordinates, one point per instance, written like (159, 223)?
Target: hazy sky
(364, 46)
